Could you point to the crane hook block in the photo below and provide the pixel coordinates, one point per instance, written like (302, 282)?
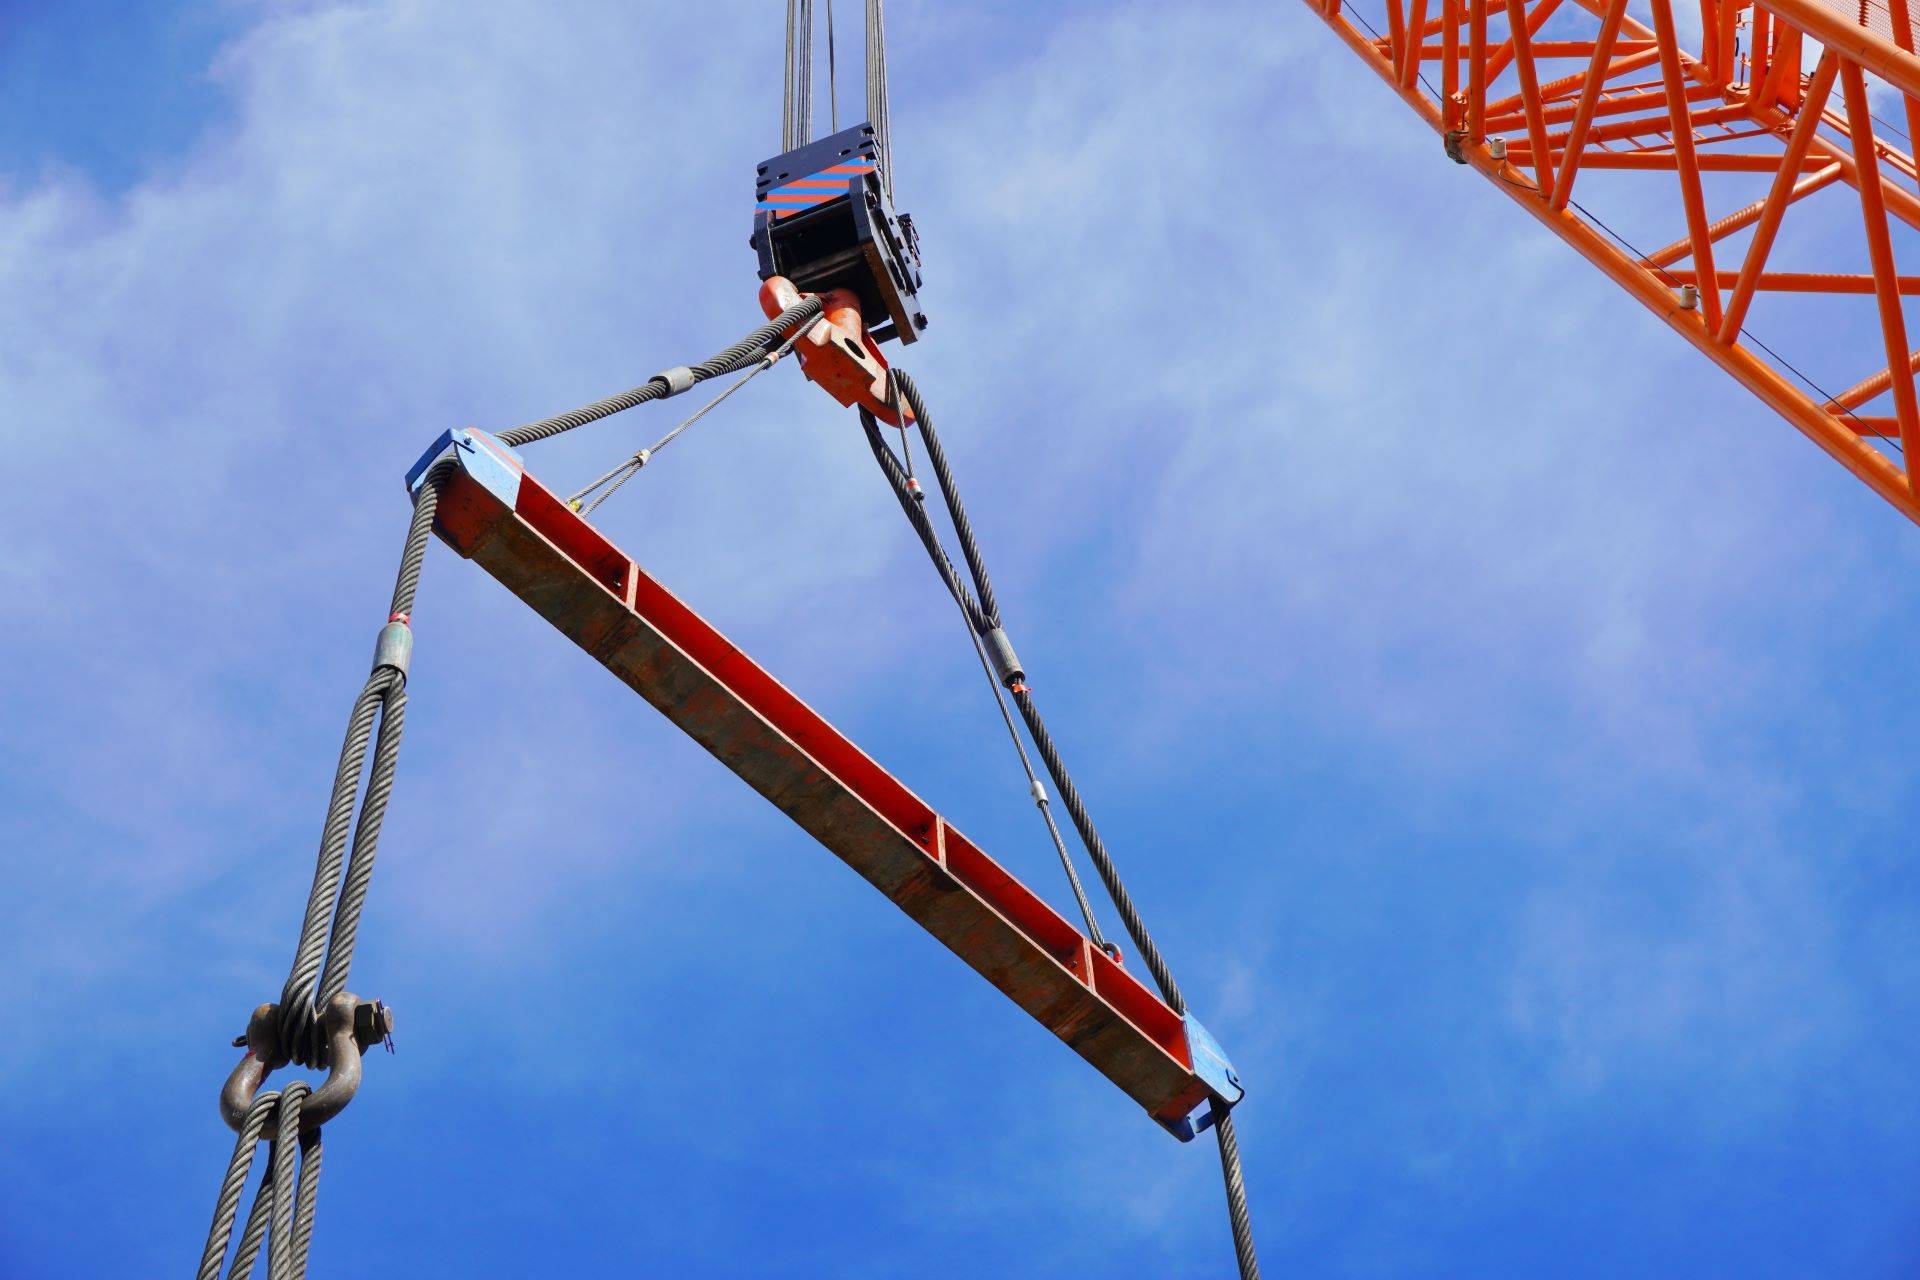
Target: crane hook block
(837, 352)
(823, 218)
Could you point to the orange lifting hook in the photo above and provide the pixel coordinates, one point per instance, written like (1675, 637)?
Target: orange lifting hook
(836, 351)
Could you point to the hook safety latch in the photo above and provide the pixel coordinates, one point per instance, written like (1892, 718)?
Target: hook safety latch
(836, 351)
(351, 1026)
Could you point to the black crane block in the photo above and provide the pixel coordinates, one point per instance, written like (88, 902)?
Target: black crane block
(823, 220)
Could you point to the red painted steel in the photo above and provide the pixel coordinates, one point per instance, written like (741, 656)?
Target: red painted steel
(1742, 105)
(836, 352)
(595, 595)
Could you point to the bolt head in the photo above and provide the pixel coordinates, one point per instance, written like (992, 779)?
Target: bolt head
(372, 1023)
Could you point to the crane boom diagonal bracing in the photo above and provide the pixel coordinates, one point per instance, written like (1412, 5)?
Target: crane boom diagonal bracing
(1798, 98)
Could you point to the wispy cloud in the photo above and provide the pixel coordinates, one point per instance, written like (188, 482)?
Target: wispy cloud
(1499, 743)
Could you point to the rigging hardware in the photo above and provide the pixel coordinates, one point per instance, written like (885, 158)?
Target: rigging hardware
(823, 218)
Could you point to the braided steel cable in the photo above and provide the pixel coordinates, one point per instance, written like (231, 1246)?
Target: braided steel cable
(1103, 863)
(730, 360)
(950, 494)
(909, 497)
(986, 619)
(299, 1036)
(788, 85)
(803, 102)
(877, 106)
(283, 1209)
(257, 1219)
(923, 525)
(227, 1205)
(984, 615)
(306, 1196)
(366, 840)
(331, 926)
(426, 503)
(1237, 1216)
(282, 1214)
(286, 1141)
(833, 76)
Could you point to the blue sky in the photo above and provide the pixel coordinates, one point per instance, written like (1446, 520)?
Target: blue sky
(1512, 757)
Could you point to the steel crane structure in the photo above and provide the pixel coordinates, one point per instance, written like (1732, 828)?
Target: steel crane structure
(840, 274)
(1780, 120)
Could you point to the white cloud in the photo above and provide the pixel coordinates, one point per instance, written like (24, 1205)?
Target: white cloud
(1277, 426)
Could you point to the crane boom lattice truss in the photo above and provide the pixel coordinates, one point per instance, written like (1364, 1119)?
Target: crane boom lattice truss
(1797, 98)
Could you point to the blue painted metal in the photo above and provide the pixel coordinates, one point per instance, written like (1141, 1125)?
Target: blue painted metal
(1211, 1064)
(496, 467)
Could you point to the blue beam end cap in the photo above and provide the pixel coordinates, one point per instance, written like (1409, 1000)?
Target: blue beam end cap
(496, 467)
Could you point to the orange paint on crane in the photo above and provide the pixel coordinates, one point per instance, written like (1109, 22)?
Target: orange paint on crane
(1498, 124)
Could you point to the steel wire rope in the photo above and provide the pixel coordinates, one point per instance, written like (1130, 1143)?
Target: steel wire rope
(833, 77)
(984, 615)
(613, 480)
(730, 360)
(907, 490)
(879, 108)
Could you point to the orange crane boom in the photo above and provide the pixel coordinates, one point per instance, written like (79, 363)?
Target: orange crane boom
(1492, 78)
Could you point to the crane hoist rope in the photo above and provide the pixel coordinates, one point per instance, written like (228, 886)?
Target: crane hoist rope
(831, 252)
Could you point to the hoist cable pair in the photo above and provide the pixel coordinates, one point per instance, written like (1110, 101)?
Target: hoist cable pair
(796, 125)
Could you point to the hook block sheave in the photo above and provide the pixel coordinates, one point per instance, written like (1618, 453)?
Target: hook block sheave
(504, 520)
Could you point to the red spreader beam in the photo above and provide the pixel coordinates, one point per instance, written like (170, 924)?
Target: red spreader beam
(508, 523)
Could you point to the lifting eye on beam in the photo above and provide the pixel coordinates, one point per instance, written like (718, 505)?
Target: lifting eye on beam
(823, 219)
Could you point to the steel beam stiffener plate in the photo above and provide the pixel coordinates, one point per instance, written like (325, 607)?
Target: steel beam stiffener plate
(495, 514)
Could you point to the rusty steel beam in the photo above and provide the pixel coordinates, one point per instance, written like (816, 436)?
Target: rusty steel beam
(509, 524)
